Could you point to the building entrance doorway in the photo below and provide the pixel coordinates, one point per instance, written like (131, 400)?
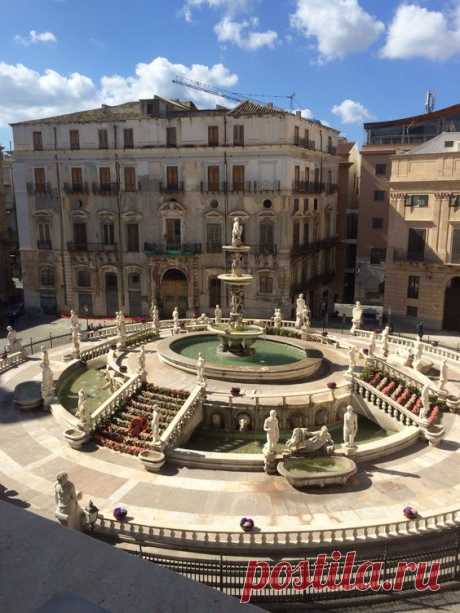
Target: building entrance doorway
(111, 293)
(173, 292)
(452, 306)
(215, 292)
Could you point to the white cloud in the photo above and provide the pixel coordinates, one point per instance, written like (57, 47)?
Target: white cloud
(325, 123)
(231, 7)
(305, 113)
(238, 33)
(28, 94)
(418, 32)
(350, 111)
(341, 27)
(35, 37)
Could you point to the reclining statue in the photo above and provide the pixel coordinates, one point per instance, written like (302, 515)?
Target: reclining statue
(306, 442)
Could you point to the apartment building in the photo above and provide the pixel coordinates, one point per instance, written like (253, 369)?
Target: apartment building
(347, 219)
(422, 273)
(384, 139)
(6, 286)
(120, 204)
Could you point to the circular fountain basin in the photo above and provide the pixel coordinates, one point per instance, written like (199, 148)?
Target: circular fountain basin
(274, 360)
(317, 472)
(236, 279)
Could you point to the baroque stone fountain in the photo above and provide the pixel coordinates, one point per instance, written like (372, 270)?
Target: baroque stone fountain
(235, 336)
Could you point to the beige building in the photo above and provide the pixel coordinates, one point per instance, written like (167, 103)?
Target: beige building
(422, 273)
(6, 286)
(121, 204)
(384, 139)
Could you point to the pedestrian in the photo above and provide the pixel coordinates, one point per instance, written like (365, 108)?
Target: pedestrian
(420, 330)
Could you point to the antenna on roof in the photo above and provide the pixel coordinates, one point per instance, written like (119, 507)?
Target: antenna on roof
(429, 102)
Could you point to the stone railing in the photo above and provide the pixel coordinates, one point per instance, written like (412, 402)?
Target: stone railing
(392, 371)
(96, 350)
(115, 401)
(203, 540)
(385, 403)
(185, 421)
(439, 352)
(101, 333)
(12, 359)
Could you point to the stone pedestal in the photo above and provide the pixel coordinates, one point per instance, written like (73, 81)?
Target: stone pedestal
(270, 461)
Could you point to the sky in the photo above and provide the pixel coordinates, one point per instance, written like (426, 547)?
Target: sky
(347, 61)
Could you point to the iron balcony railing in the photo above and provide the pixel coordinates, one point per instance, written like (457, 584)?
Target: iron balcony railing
(243, 186)
(332, 150)
(42, 244)
(314, 246)
(40, 189)
(184, 249)
(105, 189)
(213, 187)
(76, 188)
(85, 246)
(265, 249)
(308, 187)
(314, 281)
(171, 188)
(305, 143)
(331, 188)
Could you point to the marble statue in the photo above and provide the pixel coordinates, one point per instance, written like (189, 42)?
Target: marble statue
(121, 327)
(13, 344)
(111, 358)
(76, 342)
(277, 319)
(301, 307)
(350, 427)
(237, 232)
(203, 319)
(243, 423)
(352, 358)
(443, 376)
(68, 512)
(141, 368)
(155, 424)
(384, 337)
(372, 344)
(109, 381)
(200, 370)
(217, 314)
(47, 383)
(155, 317)
(425, 409)
(82, 413)
(74, 320)
(175, 317)
(356, 317)
(418, 349)
(271, 427)
(305, 442)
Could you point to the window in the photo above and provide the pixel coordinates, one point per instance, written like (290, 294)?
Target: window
(350, 256)
(420, 200)
(267, 204)
(296, 234)
(238, 135)
(296, 205)
(134, 280)
(238, 178)
(306, 233)
(306, 135)
(132, 233)
(412, 311)
(130, 179)
(378, 256)
(307, 174)
(103, 139)
(296, 135)
(329, 177)
(77, 180)
(266, 236)
(213, 178)
(265, 284)
(455, 252)
(171, 139)
(214, 237)
(40, 180)
(44, 235)
(37, 141)
(84, 278)
(108, 233)
(379, 196)
(377, 223)
(104, 178)
(213, 136)
(296, 175)
(413, 285)
(381, 169)
(448, 143)
(416, 244)
(317, 175)
(172, 177)
(47, 277)
(79, 234)
(352, 226)
(128, 138)
(315, 204)
(173, 234)
(305, 205)
(74, 137)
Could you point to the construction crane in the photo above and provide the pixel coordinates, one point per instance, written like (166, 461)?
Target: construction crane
(227, 94)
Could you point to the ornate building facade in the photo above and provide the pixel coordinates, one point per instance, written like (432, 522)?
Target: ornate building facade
(121, 204)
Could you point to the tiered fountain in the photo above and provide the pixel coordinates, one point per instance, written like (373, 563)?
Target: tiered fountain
(235, 336)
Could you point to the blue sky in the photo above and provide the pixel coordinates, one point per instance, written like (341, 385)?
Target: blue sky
(347, 60)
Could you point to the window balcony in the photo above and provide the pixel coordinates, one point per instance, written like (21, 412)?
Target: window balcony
(39, 189)
(44, 244)
(171, 188)
(76, 188)
(314, 246)
(172, 249)
(76, 246)
(427, 256)
(305, 143)
(265, 249)
(213, 188)
(332, 150)
(307, 187)
(314, 281)
(105, 189)
(331, 188)
(266, 186)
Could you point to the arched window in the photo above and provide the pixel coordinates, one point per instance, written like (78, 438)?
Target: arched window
(47, 277)
(84, 278)
(265, 283)
(266, 236)
(134, 280)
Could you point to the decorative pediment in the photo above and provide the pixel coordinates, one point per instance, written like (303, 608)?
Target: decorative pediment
(79, 214)
(172, 206)
(105, 214)
(213, 214)
(240, 213)
(43, 215)
(131, 215)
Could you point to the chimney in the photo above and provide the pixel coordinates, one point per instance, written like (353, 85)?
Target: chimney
(298, 114)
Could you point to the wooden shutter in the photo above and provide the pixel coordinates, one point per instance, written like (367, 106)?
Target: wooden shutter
(213, 178)
(172, 176)
(128, 138)
(37, 140)
(74, 139)
(39, 177)
(77, 178)
(104, 176)
(103, 139)
(213, 136)
(130, 179)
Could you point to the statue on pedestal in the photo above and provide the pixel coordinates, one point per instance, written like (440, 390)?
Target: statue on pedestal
(426, 407)
(47, 384)
(350, 427)
(384, 336)
(271, 427)
(277, 319)
(155, 317)
(121, 327)
(200, 370)
(155, 424)
(356, 317)
(175, 317)
(443, 376)
(68, 512)
(418, 349)
(74, 320)
(82, 413)
(141, 369)
(237, 233)
(109, 380)
(217, 314)
(13, 344)
(372, 344)
(203, 319)
(76, 342)
(300, 311)
(304, 442)
(352, 359)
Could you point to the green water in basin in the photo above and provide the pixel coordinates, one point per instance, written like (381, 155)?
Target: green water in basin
(253, 442)
(92, 381)
(267, 353)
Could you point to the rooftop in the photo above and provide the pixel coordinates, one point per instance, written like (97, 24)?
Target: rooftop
(446, 112)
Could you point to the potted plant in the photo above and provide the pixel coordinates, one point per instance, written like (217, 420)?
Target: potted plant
(235, 391)
(76, 437)
(332, 385)
(120, 512)
(152, 460)
(247, 524)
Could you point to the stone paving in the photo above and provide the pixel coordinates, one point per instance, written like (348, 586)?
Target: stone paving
(32, 451)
